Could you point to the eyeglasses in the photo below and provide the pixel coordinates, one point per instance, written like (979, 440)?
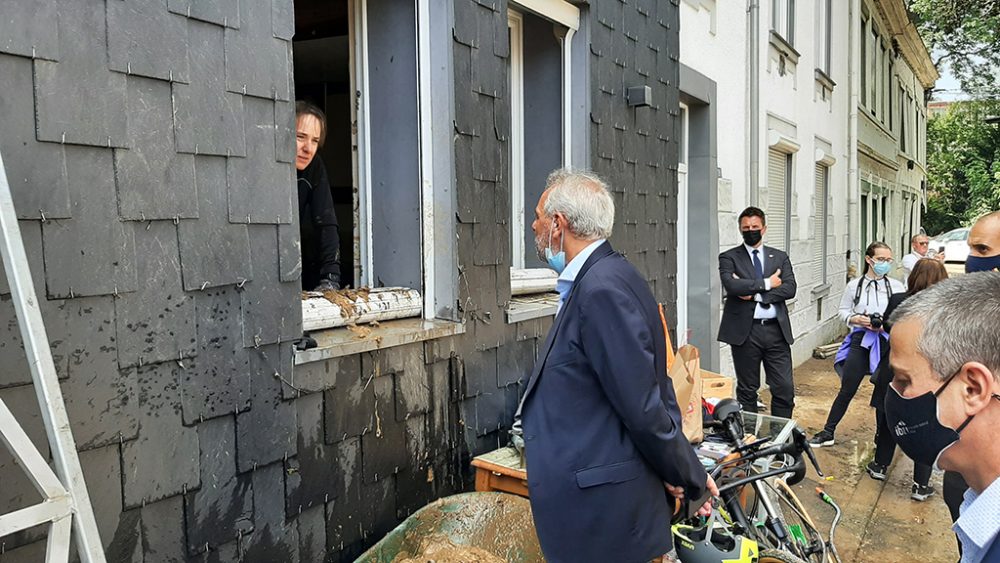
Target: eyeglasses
(925, 243)
(882, 260)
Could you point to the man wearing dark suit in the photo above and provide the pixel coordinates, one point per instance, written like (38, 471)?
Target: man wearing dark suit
(758, 280)
(601, 425)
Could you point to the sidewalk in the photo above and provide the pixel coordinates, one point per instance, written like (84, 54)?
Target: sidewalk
(880, 523)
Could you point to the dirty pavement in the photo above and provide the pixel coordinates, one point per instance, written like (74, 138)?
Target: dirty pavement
(880, 522)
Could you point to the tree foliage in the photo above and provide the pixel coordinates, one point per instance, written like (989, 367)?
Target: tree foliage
(965, 35)
(963, 165)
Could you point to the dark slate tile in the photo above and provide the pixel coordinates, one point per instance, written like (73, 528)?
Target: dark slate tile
(273, 537)
(466, 30)
(349, 408)
(414, 490)
(78, 100)
(162, 437)
(491, 407)
(217, 381)
(100, 399)
(282, 19)
(378, 508)
(154, 182)
(93, 253)
(147, 40)
(157, 322)
(308, 481)
(272, 310)
(412, 389)
(119, 530)
(312, 533)
(222, 507)
(213, 252)
(219, 12)
(315, 377)
(37, 172)
(515, 360)
(284, 130)
(479, 372)
(207, 119)
(384, 448)
(163, 530)
(225, 553)
(260, 188)
(257, 62)
(290, 251)
(27, 30)
(267, 432)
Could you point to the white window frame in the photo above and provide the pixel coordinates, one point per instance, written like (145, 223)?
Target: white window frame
(383, 304)
(824, 13)
(525, 281)
(683, 227)
(783, 19)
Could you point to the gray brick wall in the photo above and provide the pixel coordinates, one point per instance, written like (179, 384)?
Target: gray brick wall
(150, 187)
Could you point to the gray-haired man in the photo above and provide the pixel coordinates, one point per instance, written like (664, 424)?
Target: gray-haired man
(944, 406)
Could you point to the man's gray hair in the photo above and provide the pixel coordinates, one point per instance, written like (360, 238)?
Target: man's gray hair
(961, 322)
(584, 200)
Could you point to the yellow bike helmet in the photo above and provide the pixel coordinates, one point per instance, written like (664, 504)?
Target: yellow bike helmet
(707, 544)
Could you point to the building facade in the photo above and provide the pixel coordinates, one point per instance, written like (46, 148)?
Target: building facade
(149, 147)
(780, 112)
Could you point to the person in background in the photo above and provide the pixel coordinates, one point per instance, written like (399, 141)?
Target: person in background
(925, 274)
(865, 300)
(317, 220)
(984, 256)
(944, 401)
(758, 280)
(919, 246)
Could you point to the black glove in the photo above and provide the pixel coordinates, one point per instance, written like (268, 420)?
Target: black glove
(305, 343)
(327, 283)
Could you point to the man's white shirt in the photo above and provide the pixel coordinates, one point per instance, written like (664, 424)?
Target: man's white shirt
(760, 312)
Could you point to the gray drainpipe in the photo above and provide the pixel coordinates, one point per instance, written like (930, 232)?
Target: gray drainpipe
(753, 84)
(853, 182)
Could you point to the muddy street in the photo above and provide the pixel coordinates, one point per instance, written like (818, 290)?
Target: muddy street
(880, 522)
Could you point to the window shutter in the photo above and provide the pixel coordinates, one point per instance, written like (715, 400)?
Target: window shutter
(819, 230)
(776, 198)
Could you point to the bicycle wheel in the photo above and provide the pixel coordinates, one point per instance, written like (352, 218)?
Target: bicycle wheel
(800, 525)
(778, 556)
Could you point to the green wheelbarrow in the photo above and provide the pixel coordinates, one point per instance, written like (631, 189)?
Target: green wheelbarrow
(466, 528)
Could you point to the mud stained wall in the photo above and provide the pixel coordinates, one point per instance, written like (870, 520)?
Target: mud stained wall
(149, 146)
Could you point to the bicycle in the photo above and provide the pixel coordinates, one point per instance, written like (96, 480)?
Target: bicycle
(759, 503)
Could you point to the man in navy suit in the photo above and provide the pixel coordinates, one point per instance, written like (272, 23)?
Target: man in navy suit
(601, 425)
(758, 280)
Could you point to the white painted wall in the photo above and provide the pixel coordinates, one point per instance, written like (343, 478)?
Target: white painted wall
(713, 39)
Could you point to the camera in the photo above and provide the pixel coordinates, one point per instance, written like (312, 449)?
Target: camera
(876, 320)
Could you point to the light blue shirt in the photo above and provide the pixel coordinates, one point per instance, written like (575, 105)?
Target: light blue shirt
(978, 524)
(760, 312)
(568, 276)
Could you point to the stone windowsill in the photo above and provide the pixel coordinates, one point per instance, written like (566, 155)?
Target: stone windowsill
(784, 47)
(347, 341)
(821, 291)
(824, 79)
(528, 307)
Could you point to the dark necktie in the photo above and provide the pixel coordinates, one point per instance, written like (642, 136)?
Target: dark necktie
(759, 269)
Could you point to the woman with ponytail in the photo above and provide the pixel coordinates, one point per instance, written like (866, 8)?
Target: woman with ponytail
(865, 300)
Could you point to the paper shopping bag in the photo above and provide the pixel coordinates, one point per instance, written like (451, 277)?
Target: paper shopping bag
(685, 374)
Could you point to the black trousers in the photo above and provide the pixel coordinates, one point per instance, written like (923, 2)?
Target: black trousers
(766, 344)
(885, 448)
(855, 368)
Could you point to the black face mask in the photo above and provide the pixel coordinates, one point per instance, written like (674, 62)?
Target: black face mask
(915, 426)
(751, 238)
(982, 263)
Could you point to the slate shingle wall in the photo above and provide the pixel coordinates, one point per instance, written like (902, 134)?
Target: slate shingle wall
(168, 261)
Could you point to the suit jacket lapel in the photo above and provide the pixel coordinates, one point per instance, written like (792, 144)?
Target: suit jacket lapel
(602, 251)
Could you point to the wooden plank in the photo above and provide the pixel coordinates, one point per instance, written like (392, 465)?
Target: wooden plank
(341, 308)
